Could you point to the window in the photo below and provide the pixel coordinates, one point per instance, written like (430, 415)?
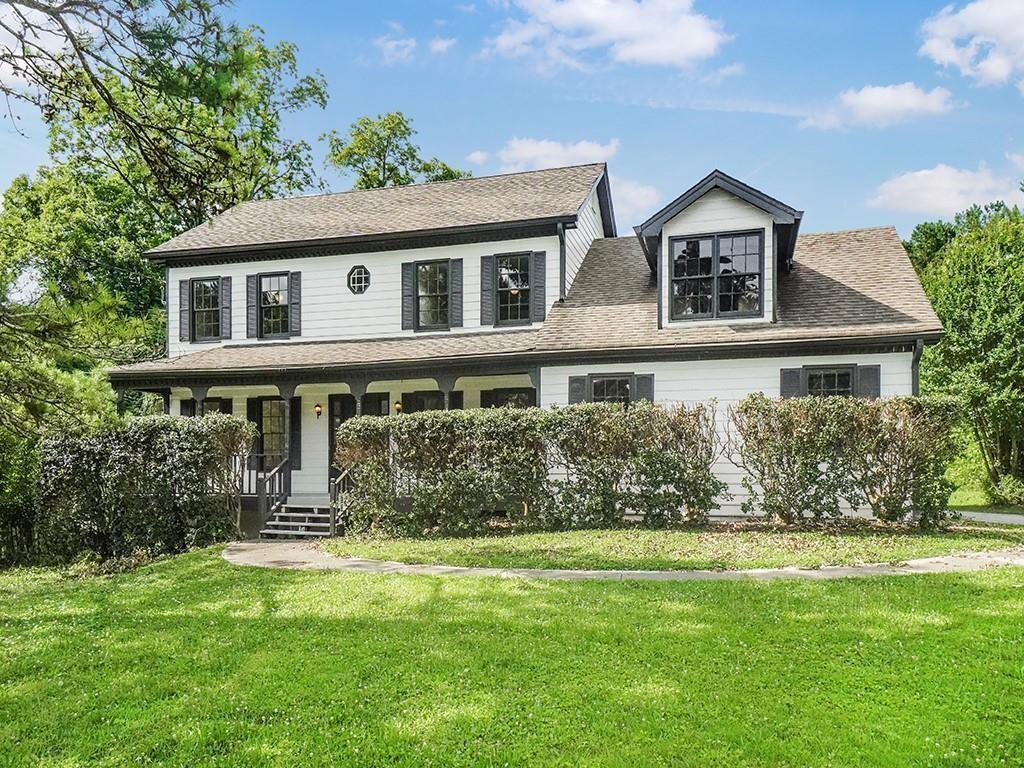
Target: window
(432, 295)
(830, 382)
(205, 309)
(717, 275)
(274, 305)
(358, 279)
(611, 389)
(273, 439)
(513, 397)
(513, 282)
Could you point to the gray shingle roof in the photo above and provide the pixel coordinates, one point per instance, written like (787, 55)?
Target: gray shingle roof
(515, 197)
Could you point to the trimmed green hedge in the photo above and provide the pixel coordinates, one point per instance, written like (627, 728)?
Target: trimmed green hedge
(158, 484)
(585, 466)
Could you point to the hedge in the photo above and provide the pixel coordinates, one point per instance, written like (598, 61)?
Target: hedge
(453, 472)
(814, 457)
(158, 484)
(19, 497)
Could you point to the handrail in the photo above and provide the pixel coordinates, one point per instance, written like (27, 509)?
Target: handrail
(272, 489)
(338, 486)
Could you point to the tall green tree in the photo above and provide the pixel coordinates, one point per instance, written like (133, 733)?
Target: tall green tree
(381, 153)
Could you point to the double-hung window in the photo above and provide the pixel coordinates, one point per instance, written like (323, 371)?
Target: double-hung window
(205, 305)
(717, 275)
(273, 305)
(611, 389)
(432, 295)
(830, 382)
(513, 285)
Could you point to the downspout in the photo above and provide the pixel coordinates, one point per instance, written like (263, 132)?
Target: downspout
(915, 368)
(560, 229)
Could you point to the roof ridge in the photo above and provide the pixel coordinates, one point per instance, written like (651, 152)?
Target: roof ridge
(848, 231)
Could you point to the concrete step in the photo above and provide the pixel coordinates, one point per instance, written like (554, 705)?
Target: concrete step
(291, 513)
(281, 533)
(293, 524)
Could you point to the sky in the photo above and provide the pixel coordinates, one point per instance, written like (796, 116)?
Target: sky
(859, 113)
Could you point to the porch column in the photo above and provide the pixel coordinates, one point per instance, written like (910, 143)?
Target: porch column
(446, 383)
(535, 380)
(199, 395)
(358, 388)
(119, 399)
(165, 396)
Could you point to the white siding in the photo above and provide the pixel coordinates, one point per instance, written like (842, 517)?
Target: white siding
(589, 227)
(726, 382)
(331, 311)
(719, 211)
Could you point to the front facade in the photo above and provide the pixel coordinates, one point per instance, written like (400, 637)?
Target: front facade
(516, 290)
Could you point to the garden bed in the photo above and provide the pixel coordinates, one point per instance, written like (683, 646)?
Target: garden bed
(719, 547)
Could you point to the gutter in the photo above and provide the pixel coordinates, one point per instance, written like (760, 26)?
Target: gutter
(915, 368)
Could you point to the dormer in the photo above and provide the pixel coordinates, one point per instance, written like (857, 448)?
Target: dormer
(718, 251)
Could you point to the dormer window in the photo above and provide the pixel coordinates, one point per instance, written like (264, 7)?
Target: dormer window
(717, 275)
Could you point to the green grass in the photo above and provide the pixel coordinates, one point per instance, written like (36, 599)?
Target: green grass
(715, 547)
(195, 662)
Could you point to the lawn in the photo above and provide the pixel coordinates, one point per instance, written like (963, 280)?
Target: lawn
(715, 547)
(195, 662)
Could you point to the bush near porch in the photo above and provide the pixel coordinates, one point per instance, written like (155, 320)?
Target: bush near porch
(155, 485)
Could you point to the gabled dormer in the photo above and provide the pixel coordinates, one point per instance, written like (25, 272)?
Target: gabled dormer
(718, 251)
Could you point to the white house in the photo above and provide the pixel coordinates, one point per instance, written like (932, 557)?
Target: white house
(303, 312)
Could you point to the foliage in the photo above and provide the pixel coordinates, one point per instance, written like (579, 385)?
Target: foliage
(927, 241)
(977, 289)
(19, 476)
(811, 457)
(159, 484)
(381, 153)
(447, 472)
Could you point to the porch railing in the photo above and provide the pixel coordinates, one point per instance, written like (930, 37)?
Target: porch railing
(273, 488)
(340, 500)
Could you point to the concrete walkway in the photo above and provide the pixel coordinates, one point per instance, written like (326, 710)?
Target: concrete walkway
(302, 555)
(992, 517)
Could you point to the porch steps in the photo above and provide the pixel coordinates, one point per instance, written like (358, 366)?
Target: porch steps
(303, 520)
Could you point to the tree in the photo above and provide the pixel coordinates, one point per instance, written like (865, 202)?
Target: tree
(927, 241)
(381, 153)
(977, 288)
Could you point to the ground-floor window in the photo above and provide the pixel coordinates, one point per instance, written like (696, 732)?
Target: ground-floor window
(515, 397)
(611, 389)
(273, 430)
(430, 400)
(830, 382)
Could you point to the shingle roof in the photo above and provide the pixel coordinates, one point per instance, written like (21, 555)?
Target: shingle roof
(857, 283)
(515, 197)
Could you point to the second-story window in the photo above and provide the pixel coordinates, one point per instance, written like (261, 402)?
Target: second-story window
(432, 309)
(717, 275)
(273, 305)
(205, 309)
(513, 283)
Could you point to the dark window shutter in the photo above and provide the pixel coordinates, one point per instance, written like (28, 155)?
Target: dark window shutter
(644, 387)
(486, 290)
(455, 293)
(252, 413)
(188, 407)
(295, 302)
(408, 296)
(456, 400)
(869, 381)
(227, 405)
(252, 306)
(184, 313)
(295, 431)
(225, 307)
(538, 295)
(791, 384)
(577, 389)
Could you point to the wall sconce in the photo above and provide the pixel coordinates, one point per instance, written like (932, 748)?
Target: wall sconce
(318, 409)
(398, 406)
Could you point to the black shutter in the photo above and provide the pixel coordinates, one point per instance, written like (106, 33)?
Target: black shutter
(869, 381)
(252, 413)
(577, 389)
(455, 293)
(295, 431)
(408, 296)
(486, 290)
(225, 307)
(184, 315)
(791, 384)
(538, 295)
(456, 400)
(295, 304)
(188, 407)
(644, 387)
(252, 306)
(227, 405)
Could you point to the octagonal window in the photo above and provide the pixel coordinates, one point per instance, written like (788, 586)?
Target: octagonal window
(358, 279)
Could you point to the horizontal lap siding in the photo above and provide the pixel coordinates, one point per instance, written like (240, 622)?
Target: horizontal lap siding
(727, 382)
(589, 227)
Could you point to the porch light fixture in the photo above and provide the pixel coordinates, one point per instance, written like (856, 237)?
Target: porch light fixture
(318, 409)
(398, 406)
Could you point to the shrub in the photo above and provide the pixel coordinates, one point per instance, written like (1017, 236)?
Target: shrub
(449, 472)
(157, 484)
(19, 499)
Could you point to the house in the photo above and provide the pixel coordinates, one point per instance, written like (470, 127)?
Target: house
(300, 313)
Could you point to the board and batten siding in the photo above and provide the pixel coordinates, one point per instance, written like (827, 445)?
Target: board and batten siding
(726, 382)
(331, 311)
(719, 211)
(589, 227)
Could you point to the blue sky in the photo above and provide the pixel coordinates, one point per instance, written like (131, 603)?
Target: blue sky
(861, 113)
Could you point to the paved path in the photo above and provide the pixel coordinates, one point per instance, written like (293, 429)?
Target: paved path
(992, 517)
(306, 556)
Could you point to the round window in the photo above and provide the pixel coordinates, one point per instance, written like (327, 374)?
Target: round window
(358, 279)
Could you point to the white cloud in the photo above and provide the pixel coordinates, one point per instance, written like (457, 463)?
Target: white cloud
(395, 50)
(654, 32)
(1017, 159)
(984, 40)
(881, 105)
(441, 44)
(944, 190)
(477, 157)
(520, 154)
(634, 201)
(466, 7)
(724, 73)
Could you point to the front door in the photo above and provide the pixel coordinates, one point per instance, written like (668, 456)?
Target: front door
(340, 409)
